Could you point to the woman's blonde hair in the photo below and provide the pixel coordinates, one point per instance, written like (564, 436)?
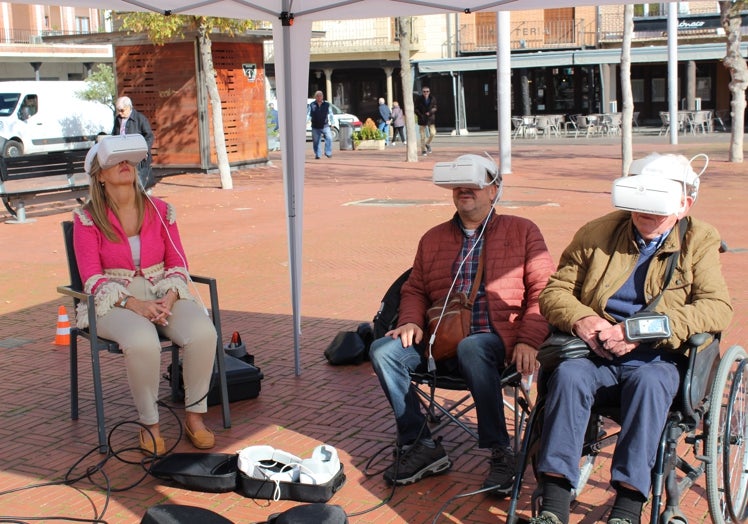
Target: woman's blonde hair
(98, 202)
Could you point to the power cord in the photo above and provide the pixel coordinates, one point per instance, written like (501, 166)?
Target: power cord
(79, 471)
(397, 456)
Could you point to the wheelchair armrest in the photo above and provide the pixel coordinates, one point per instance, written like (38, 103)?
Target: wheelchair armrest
(700, 372)
(697, 340)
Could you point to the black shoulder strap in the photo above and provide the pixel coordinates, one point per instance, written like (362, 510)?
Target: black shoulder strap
(670, 269)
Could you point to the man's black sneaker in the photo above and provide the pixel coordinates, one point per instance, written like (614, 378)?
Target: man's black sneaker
(545, 517)
(503, 464)
(428, 148)
(416, 462)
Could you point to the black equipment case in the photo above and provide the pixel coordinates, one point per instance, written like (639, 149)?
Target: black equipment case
(242, 380)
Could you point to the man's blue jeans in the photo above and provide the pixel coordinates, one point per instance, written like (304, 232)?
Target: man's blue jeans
(316, 135)
(384, 127)
(480, 358)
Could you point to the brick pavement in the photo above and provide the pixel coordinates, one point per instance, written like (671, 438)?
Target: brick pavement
(364, 212)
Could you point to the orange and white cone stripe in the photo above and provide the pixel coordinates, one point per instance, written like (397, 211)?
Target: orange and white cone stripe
(62, 338)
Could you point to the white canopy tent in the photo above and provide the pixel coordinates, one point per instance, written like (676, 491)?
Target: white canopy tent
(292, 30)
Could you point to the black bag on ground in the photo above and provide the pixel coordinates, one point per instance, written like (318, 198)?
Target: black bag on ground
(174, 514)
(561, 346)
(352, 347)
(209, 472)
(318, 513)
(346, 348)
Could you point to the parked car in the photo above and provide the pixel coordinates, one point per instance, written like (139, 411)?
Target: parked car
(338, 116)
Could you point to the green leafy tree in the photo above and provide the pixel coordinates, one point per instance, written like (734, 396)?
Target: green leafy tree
(161, 29)
(100, 86)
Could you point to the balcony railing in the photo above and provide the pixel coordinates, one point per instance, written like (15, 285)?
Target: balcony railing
(529, 35)
(27, 36)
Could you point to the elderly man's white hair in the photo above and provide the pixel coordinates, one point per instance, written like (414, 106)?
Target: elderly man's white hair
(672, 167)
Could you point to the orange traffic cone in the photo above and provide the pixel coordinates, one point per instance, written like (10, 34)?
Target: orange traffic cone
(63, 328)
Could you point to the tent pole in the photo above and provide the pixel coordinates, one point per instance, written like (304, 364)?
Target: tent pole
(504, 90)
(292, 74)
(672, 69)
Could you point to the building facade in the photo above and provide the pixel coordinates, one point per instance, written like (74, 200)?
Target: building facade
(24, 55)
(564, 61)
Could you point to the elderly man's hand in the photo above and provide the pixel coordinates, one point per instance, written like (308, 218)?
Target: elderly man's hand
(589, 329)
(408, 334)
(525, 359)
(614, 341)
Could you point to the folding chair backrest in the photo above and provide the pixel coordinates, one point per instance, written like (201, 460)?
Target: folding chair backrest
(389, 309)
(75, 277)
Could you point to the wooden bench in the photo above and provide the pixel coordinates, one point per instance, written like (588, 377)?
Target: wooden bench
(21, 179)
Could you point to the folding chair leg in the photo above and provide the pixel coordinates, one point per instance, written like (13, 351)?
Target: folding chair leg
(220, 362)
(175, 374)
(452, 416)
(74, 374)
(524, 456)
(98, 392)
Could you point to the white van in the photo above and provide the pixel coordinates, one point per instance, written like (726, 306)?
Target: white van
(43, 116)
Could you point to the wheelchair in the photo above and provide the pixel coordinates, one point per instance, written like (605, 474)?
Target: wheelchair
(710, 412)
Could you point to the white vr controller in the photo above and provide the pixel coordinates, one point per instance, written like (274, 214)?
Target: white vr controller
(111, 150)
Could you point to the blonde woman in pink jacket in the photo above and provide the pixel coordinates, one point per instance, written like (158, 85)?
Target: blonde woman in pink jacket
(131, 259)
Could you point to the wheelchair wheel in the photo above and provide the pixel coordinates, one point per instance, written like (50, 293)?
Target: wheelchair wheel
(727, 469)
(735, 456)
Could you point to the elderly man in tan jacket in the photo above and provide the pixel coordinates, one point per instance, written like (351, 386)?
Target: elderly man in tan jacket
(614, 267)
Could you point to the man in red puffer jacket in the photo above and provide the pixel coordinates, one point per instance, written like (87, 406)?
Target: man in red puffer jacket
(506, 326)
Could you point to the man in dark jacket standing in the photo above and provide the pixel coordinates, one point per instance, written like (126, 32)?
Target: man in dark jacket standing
(131, 122)
(425, 110)
(320, 114)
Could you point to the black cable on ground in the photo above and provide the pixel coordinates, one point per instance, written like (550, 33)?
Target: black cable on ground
(73, 476)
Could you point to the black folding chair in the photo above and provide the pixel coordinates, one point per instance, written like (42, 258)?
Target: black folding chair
(75, 291)
(445, 412)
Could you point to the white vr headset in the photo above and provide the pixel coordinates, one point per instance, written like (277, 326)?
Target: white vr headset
(648, 194)
(267, 463)
(112, 150)
(657, 185)
(470, 171)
